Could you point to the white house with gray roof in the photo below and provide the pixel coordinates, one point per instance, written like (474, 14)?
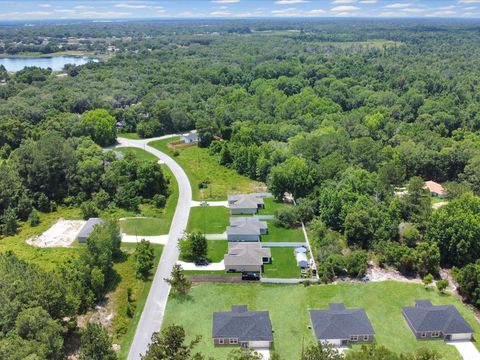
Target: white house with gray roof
(191, 137)
(246, 256)
(245, 204)
(429, 321)
(240, 327)
(87, 229)
(339, 326)
(246, 228)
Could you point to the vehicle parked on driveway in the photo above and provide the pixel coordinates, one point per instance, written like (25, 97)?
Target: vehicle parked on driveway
(250, 276)
(202, 262)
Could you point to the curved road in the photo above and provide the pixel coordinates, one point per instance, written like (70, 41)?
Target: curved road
(152, 315)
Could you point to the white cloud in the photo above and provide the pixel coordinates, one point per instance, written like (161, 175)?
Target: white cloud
(65, 11)
(345, 8)
(130, 6)
(392, 14)
(442, 13)
(343, 1)
(470, 8)
(399, 5)
(414, 10)
(290, 2)
(368, 1)
(45, 5)
(25, 15)
(315, 12)
(225, 1)
(450, 7)
(468, 1)
(105, 14)
(287, 12)
(220, 13)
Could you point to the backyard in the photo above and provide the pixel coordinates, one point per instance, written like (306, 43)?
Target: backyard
(289, 305)
(272, 204)
(208, 219)
(280, 234)
(201, 167)
(283, 264)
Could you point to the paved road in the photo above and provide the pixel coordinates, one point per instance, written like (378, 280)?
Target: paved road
(152, 315)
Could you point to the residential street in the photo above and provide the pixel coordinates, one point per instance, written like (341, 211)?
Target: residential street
(152, 316)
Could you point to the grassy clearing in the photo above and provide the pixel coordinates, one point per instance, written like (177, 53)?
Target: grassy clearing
(139, 153)
(216, 250)
(271, 204)
(279, 234)
(123, 326)
(143, 226)
(283, 264)
(208, 219)
(289, 305)
(199, 166)
(132, 136)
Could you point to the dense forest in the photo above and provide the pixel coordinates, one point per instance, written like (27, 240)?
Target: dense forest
(351, 117)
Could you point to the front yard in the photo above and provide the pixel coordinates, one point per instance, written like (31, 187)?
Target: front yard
(208, 219)
(289, 305)
(216, 250)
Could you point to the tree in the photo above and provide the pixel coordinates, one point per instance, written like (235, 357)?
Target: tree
(144, 257)
(101, 126)
(88, 210)
(34, 218)
(96, 344)
(468, 279)
(10, 222)
(428, 258)
(416, 202)
(291, 176)
(427, 280)
(193, 246)
(170, 344)
(321, 351)
(180, 284)
(442, 285)
(286, 217)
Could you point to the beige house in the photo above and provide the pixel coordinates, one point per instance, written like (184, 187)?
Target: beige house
(435, 189)
(246, 256)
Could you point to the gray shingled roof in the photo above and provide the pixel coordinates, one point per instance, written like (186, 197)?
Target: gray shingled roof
(245, 203)
(242, 220)
(87, 229)
(445, 318)
(340, 323)
(242, 324)
(246, 254)
(245, 199)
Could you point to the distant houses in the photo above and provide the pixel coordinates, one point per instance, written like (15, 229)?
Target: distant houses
(442, 321)
(244, 204)
(87, 229)
(435, 189)
(246, 257)
(240, 327)
(339, 326)
(244, 228)
(191, 137)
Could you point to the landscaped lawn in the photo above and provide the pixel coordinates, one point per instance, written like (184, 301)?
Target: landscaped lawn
(280, 234)
(283, 264)
(216, 250)
(271, 204)
(139, 153)
(208, 219)
(199, 166)
(289, 305)
(144, 226)
(133, 136)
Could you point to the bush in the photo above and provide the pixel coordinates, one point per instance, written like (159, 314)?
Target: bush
(159, 201)
(356, 263)
(286, 217)
(34, 218)
(442, 285)
(88, 210)
(203, 184)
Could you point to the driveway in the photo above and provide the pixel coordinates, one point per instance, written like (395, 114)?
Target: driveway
(152, 315)
(264, 352)
(467, 349)
(220, 266)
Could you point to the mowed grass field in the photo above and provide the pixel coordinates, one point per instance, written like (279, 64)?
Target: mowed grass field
(289, 304)
(216, 250)
(280, 234)
(199, 166)
(284, 264)
(208, 219)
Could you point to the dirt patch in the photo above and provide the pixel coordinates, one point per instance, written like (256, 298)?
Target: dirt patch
(214, 278)
(376, 273)
(179, 145)
(61, 234)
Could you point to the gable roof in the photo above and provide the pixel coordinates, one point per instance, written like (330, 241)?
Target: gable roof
(246, 254)
(241, 220)
(340, 323)
(242, 324)
(246, 203)
(88, 227)
(445, 318)
(245, 199)
(245, 226)
(434, 187)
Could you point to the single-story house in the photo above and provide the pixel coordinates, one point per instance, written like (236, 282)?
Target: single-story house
(246, 256)
(191, 137)
(339, 326)
(440, 321)
(244, 228)
(87, 229)
(240, 327)
(302, 260)
(435, 189)
(245, 204)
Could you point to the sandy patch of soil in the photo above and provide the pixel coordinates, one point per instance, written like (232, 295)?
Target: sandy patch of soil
(61, 234)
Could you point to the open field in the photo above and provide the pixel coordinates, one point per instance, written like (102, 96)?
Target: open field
(133, 136)
(289, 305)
(200, 166)
(283, 264)
(279, 234)
(139, 153)
(143, 226)
(208, 219)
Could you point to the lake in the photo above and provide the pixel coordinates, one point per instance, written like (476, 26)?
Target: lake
(56, 63)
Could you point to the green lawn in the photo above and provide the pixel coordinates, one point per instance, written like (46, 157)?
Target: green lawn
(199, 166)
(208, 219)
(144, 226)
(132, 136)
(289, 305)
(283, 264)
(271, 204)
(123, 326)
(139, 153)
(279, 234)
(216, 250)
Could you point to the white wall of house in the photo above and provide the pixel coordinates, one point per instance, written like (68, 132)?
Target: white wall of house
(240, 211)
(461, 336)
(333, 342)
(241, 268)
(259, 344)
(237, 237)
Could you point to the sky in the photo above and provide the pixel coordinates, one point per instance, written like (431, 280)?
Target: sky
(135, 9)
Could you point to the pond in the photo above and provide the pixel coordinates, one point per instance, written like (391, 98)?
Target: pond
(56, 63)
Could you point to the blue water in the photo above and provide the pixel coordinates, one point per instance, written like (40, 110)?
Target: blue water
(56, 63)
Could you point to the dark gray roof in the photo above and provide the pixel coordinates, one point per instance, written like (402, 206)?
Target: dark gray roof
(340, 323)
(445, 318)
(242, 324)
(87, 229)
(250, 220)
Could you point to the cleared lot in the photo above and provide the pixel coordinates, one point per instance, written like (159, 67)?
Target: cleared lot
(61, 234)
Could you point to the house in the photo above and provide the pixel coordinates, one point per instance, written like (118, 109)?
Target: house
(240, 327)
(442, 321)
(246, 257)
(246, 229)
(435, 189)
(245, 204)
(302, 260)
(339, 326)
(191, 137)
(87, 229)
